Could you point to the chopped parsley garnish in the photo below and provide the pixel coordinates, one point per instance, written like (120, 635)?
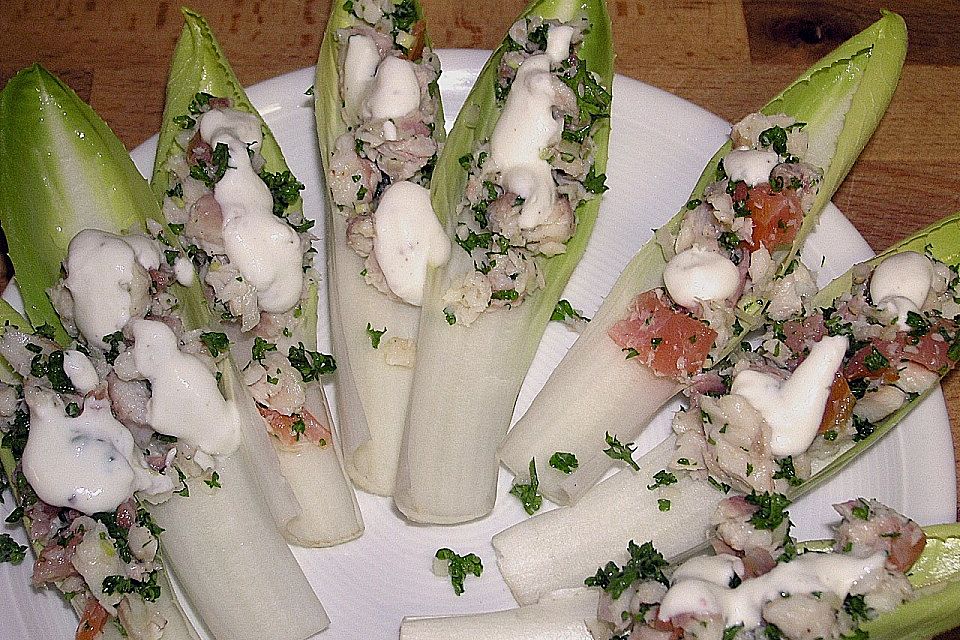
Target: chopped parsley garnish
(857, 608)
(310, 364)
(693, 204)
(662, 478)
(170, 256)
(864, 428)
(285, 189)
(593, 99)
(15, 438)
(595, 183)
(10, 551)
(460, 567)
(619, 451)
(52, 370)
(215, 342)
(309, 91)
(261, 347)
(214, 481)
(565, 310)
(47, 331)
(730, 633)
(527, 493)
(875, 361)
(298, 428)
(564, 462)
(450, 316)
(210, 174)
(375, 335)
(645, 563)
(631, 352)
(185, 122)
(918, 324)
(772, 509)
(199, 104)
(184, 491)
(862, 510)
(72, 409)
(149, 590)
(788, 472)
(663, 504)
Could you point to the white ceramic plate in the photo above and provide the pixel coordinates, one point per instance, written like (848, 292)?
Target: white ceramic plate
(658, 148)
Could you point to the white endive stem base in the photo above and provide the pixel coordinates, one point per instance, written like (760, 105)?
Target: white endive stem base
(564, 615)
(560, 548)
(232, 564)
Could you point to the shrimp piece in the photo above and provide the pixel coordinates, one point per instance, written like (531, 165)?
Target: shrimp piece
(294, 430)
(869, 526)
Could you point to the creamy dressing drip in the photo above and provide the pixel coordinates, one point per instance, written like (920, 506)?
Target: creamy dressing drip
(360, 62)
(527, 127)
(263, 247)
(89, 463)
(408, 239)
(699, 275)
(81, 371)
(794, 407)
(395, 91)
(752, 166)
(901, 283)
(108, 279)
(185, 401)
(695, 593)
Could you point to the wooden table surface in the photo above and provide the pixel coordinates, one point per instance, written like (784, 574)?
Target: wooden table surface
(730, 57)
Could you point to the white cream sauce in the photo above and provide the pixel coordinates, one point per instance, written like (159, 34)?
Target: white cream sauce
(185, 400)
(794, 407)
(183, 270)
(108, 279)
(408, 239)
(901, 283)
(80, 370)
(699, 275)
(718, 569)
(395, 91)
(752, 166)
(527, 127)
(89, 463)
(807, 573)
(360, 62)
(263, 247)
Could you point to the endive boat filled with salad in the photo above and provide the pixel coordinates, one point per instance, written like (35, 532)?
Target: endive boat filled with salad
(133, 432)
(716, 269)
(822, 387)
(380, 126)
(234, 207)
(882, 576)
(517, 188)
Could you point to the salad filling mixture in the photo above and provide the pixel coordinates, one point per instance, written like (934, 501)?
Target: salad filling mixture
(723, 259)
(121, 419)
(526, 182)
(381, 167)
(251, 245)
(761, 583)
(768, 417)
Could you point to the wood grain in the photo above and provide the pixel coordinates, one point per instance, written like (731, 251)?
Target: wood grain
(726, 55)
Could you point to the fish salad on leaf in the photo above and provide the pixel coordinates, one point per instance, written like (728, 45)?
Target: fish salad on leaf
(716, 269)
(763, 584)
(517, 188)
(233, 205)
(526, 183)
(380, 127)
(772, 416)
(721, 261)
(782, 417)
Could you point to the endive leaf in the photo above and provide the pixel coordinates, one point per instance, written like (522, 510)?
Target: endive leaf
(325, 511)
(467, 378)
(558, 548)
(841, 98)
(371, 394)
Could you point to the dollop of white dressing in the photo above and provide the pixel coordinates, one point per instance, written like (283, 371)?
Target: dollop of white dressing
(408, 239)
(807, 573)
(718, 569)
(752, 166)
(80, 370)
(395, 91)
(360, 62)
(185, 401)
(698, 274)
(108, 279)
(183, 270)
(794, 407)
(89, 463)
(263, 247)
(526, 127)
(901, 284)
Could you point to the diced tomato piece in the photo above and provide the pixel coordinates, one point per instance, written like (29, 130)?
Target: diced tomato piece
(839, 405)
(776, 216)
(671, 342)
(92, 621)
(291, 432)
